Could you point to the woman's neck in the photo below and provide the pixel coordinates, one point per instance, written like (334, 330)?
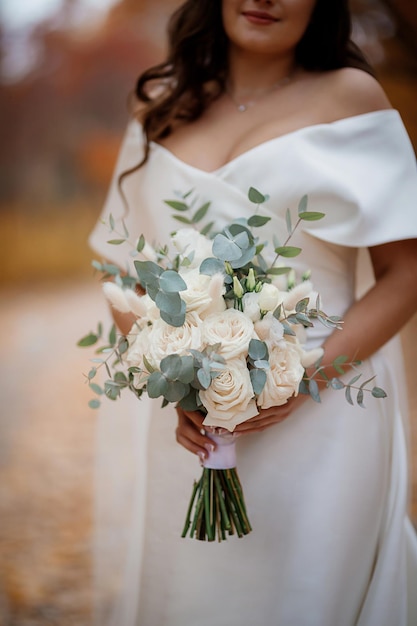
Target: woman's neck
(253, 74)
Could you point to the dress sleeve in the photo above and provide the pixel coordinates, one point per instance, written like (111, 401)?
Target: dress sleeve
(368, 182)
(130, 155)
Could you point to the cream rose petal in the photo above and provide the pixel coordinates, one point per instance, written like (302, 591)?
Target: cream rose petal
(283, 376)
(166, 339)
(230, 398)
(232, 329)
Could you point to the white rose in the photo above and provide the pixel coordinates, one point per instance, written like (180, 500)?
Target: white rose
(283, 376)
(250, 303)
(232, 329)
(165, 339)
(188, 240)
(201, 296)
(269, 329)
(138, 346)
(269, 297)
(230, 399)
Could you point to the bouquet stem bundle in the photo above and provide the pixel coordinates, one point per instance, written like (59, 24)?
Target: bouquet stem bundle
(217, 507)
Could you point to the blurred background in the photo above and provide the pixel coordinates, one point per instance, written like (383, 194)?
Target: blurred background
(66, 70)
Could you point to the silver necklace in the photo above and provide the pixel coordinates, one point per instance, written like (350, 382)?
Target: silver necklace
(244, 106)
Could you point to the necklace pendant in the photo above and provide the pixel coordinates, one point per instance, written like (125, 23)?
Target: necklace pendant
(242, 108)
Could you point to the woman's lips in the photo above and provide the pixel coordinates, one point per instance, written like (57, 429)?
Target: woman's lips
(259, 17)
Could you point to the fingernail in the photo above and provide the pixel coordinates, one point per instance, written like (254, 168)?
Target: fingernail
(202, 457)
(209, 447)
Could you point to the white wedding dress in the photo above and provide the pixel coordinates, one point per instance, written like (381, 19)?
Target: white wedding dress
(326, 490)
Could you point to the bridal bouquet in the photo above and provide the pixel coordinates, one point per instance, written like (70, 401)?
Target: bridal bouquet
(218, 330)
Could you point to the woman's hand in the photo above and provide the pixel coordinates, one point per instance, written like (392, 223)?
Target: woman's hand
(269, 417)
(189, 432)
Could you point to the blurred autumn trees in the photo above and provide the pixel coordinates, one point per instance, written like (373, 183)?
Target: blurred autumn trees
(62, 123)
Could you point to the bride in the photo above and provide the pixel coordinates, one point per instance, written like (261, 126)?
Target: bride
(271, 94)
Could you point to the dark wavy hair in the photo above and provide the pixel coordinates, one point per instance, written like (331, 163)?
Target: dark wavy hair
(195, 70)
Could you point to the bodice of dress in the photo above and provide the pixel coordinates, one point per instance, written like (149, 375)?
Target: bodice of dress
(358, 171)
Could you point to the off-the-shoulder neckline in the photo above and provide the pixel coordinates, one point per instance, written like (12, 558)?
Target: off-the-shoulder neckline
(362, 117)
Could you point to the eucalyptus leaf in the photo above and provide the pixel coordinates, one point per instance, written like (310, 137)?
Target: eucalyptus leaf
(186, 374)
(94, 404)
(125, 229)
(112, 335)
(174, 320)
(171, 282)
(148, 365)
(256, 221)
(311, 216)
(178, 206)
(304, 320)
(147, 271)
(348, 395)
(287, 329)
(288, 251)
(338, 362)
(245, 258)
(96, 388)
(141, 243)
(203, 378)
(255, 196)
(171, 366)
(302, 205)
(170, 303)
(288, 221)
(88, 340)
(123, 345)
(277, 271)
(314, 391)
(157, 385)
(354, 379)
(175, 391)
(241, 239)
(200, 214)
(336, 383)
(302, 305)
(377, 392)
(182, 219)
(109, 268)
(191, 402)
(367, 381)
(207, 228)
(116, 242)
(120, 377)
(258, 380)
(211, 266)
(225, 249)
(92, 373)
(262, 364)
(257, 349)
(359, 399)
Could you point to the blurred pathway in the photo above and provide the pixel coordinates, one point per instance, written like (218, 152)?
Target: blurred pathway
(46, 454)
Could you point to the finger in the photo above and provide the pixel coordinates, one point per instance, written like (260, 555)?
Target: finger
(192, 433)
(257, 425)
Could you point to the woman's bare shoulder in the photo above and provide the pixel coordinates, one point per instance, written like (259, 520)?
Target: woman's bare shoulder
(351, 91)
